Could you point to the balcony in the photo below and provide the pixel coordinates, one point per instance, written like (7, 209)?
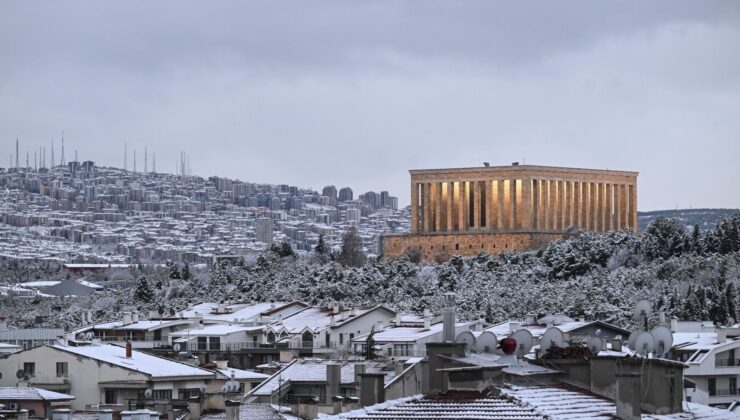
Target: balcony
(407, 352)
(725, 392)
(727, 363)
(248, 345)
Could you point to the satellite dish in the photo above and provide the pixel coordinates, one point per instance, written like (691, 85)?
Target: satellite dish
(642, 310)
(147, 393)
(89, 335)
(595, 344)
(486, 342)
(552, 337)
(177, 347)
(632, 338)
(468, 338)
(644, 344)
(20, 373)
(663, 340)
(523, 341)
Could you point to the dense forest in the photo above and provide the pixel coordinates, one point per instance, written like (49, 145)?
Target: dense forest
(688, 273)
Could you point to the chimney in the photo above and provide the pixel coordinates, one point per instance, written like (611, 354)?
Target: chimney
(335, 308)
(721, 335)
(129, 350)
(628, 394)
(61, 414)
(514, 326)
(126, 318)
(448, 318)
(359, 370)
(105, 415)
(530, 319)
(332, 321)
(136, 317)
(272, 305)
(333, 380)
(661, 317)
(342, 315)
(22, 414)
(153, 314)
(371, 389)
(427, 324)
(426, 313)
(674, 324)
(616, 344)
(232, 409)
(379, 326)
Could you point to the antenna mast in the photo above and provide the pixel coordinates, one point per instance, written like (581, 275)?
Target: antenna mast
(62, 161)
(146, 160)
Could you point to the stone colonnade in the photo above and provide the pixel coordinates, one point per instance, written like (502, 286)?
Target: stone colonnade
(525, 203)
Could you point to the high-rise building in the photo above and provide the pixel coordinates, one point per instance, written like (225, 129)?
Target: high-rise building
(263, 230)
(345, 194)
(330, 191)
(384, 198)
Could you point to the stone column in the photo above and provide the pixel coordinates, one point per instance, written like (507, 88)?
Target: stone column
(513, 204)
(535, 204)
(450, 205)
(561, 205)
(577, 215)
(604, 210)
(551, 205)
(526, 204)
(464, 217)
(414, 206)
(437, 206)
(476, 205)
(425, 207)
(592, 199)
(622, 206)
(490, 219)
(505, 200)
(633, 207)
(609, 204)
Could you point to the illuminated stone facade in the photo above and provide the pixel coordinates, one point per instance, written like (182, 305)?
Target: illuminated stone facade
(466, 210)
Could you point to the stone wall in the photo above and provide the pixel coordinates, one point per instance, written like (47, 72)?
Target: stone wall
(442, 246)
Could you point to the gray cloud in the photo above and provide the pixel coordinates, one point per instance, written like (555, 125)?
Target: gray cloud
(356, 93)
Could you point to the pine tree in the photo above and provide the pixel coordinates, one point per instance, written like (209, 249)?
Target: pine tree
(174, 272)
(185, 273)
(143, 292)
(369, 350)
(320, 248)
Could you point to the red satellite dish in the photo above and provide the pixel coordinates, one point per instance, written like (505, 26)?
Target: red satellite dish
(508, 345)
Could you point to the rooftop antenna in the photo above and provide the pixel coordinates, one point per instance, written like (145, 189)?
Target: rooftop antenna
(663, 340)
(76, 160)
(125, 156)
(27, 164)
(146, 160)
(644, 344)
(62, 161)
(134, 159)
(154, 163)
(523, 341)
(35, 162)
(486, 342)
(52, 152)
(16, 153)
(43, 165)
(468, 338)
(553, 337)
(642, 313)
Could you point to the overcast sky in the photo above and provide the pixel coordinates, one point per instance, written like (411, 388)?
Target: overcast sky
(356, 93)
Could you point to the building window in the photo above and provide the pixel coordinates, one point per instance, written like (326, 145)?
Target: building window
(62, 369)
(202, 343)
(712, 386)
(162, 394)
(29, 369)
(457, 247)
(215, 343)
(110, 397)
(733, 386)
(341, 338)
(157, 335)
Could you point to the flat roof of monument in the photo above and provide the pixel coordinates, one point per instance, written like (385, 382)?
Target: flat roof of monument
(524, 168)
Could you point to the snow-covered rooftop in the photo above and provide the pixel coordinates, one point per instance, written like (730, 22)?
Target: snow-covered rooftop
(314, 370)
(240, 374)
(31, 394)
(215, 330)
(156, 367)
